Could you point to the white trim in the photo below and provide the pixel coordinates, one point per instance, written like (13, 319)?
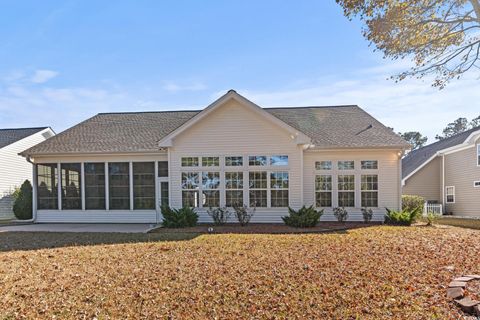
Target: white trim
(130, 183)
(82, 184)
(107, 186)
(59, 186)
(298, 137)
(446, 194)
(455, 149)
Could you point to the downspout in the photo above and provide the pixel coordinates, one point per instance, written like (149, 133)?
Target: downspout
(34, 192)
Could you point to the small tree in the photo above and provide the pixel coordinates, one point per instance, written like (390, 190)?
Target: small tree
(22, 206)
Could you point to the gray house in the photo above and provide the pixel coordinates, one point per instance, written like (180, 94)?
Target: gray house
(447, 172)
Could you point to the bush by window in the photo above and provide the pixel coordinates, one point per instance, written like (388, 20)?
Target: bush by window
(305, 217)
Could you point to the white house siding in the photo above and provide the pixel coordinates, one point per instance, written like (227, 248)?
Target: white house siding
(234, 130)
(426, 182)
(389, 181)
(100, 216)
(14, 170)
(461, 171)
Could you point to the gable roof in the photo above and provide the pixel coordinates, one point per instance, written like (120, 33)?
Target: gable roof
(422, 156)
(9, 136)
(327, 127)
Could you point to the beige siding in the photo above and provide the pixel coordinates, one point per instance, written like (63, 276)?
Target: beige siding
(426, 182)
(388, 179)
(234, 130)
(461, 171)
(14, 170)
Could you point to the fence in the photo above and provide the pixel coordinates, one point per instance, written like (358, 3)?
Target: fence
(433, 208)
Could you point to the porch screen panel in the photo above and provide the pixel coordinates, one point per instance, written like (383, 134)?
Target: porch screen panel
(119, 185)
(71, 186)
(94, 186)
(144, 185)
(47, 186)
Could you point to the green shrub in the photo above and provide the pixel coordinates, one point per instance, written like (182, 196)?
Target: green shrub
(303, 218)
(412, 203)
(22, 205)
(341, 214)
(367, 214)
(219, 215)
(431, 217)
(401, 218)
(244, 214)
(179, 218)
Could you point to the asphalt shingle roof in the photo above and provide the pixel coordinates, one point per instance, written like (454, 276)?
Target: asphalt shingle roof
(329, 127)
(9, 136)
(418, 157)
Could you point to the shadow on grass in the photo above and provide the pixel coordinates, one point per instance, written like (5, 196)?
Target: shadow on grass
(12, 241)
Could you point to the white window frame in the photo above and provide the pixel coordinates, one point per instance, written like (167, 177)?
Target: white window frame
(320, 190)
(318, 165)
(363, 164)
(342, 169)
(188, 158)
(354, 190)
(242, 173)
(271, 189)
(204, 189)
(368, 190)
(447, 194)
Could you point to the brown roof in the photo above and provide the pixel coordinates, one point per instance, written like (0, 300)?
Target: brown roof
(9, 136)
(328, 127)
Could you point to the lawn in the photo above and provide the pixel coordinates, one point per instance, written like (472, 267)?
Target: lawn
(460, 222)
(367, 273)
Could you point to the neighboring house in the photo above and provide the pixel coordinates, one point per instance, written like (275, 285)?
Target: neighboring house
(447, 172)
(121, 167)
(14, 170)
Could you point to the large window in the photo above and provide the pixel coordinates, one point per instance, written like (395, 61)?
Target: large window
(234, 161)
(47, 186)
(258, 188)
(71, 182)
(143, 185)
(323, 165)
(162, 169)
(210, 189)
(233, 189)
(279, 160)
(346, 165)
(450, 194)
(189, 161)
(257, 160)
(346, 190)
(369, 190)
(323, 191)
(279, 189)
(210, 161)
(369, 164)
(94, 186)
(119, 185)
(190, 186)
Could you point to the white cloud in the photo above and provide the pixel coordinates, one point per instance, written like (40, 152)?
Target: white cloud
(42, 76)
(175, 87)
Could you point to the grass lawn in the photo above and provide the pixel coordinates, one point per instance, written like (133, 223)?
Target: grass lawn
(367, 273)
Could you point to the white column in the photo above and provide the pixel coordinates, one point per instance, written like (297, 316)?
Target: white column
(131, 184)
(59, 186)
(107, 192)
(82, 184)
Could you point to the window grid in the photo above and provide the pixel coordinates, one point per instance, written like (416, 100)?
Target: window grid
(369, 187)
(190, 186)
(323, 191)
(234, 161)
(281, 160)
(71, 186)
(257, 160)
(346, 165)
(450, 194)
(233, 189)
(279, 182)
(369, 164)
(189, 161)
(258, 188)
(346, 190)
(47, 186)
(323, 165)
(210, 189)
(210, 161)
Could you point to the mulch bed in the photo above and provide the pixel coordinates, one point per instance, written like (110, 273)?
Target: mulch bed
(265, 228)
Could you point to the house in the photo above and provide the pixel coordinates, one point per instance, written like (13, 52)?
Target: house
(121, 167)
(447, 172)
(14, 170)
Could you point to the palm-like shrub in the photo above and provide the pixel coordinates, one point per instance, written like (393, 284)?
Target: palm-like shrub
(341, 214)
(179, 218)
(402, 218)
(303, 218)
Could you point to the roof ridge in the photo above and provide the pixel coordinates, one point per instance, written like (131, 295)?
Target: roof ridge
(140, 112)
(26, 128)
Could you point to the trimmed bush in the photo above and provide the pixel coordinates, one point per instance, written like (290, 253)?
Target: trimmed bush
(22, 205)
(303, 218)
(179, 218)
(244, 214)
(412, 203)
(367, 214)
(401, 218)
(219, 215)
(341, 214)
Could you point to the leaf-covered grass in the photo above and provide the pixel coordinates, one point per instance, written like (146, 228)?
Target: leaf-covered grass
(459, 222)
(368, 273)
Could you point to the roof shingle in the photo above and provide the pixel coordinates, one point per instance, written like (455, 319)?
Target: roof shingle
(328, 127)
(9, 136)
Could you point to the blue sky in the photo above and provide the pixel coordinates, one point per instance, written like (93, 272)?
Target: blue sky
(64, 61)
